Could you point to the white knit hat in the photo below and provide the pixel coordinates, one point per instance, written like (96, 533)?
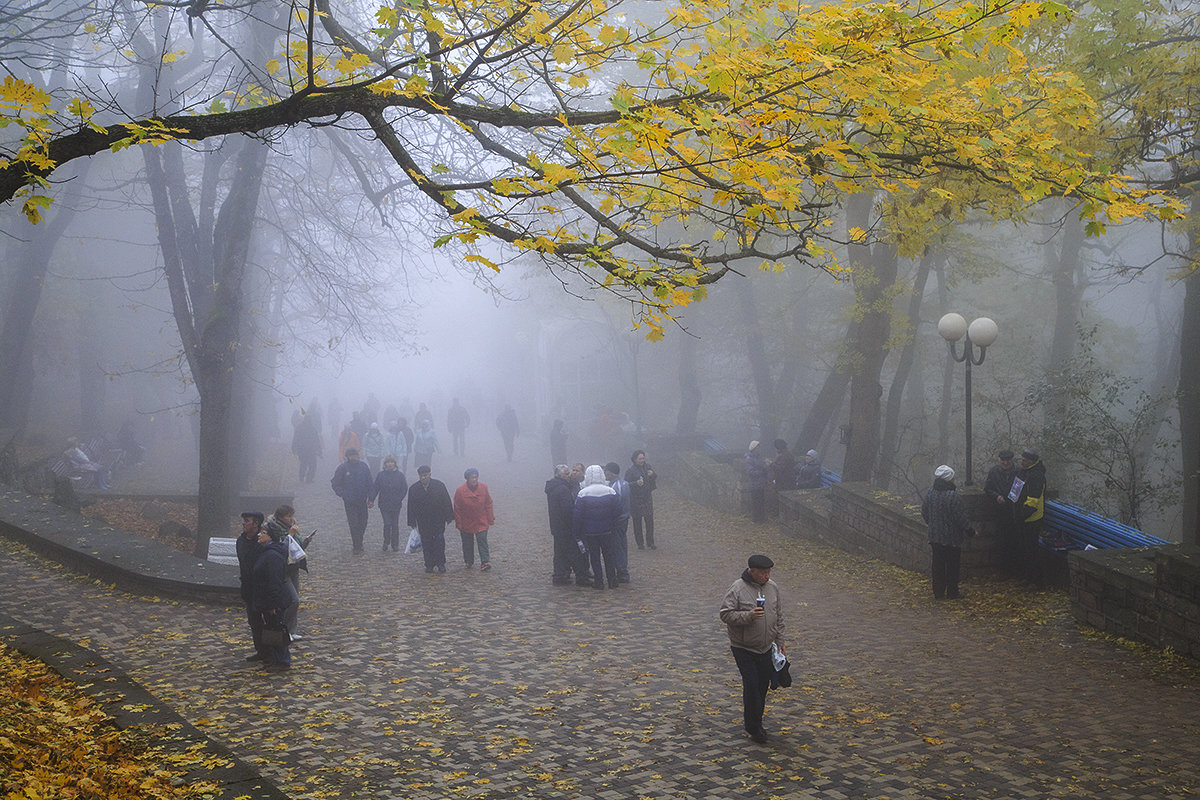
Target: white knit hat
(944, 472)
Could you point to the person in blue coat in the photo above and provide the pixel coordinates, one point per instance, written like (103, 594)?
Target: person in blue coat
(352, 483)
(271, 596)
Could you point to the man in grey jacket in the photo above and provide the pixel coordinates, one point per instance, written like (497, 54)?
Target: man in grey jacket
(753, 614)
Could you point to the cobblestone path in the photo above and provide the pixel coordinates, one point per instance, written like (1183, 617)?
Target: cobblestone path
(499, 684)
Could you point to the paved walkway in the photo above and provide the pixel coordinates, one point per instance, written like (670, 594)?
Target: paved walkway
(499, 684)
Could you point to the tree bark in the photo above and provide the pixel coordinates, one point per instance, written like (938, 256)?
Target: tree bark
(873, 271)
(891, 418)
(20, 309)
(760, 366)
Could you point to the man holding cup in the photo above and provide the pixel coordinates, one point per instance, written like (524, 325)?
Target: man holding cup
(753, 614)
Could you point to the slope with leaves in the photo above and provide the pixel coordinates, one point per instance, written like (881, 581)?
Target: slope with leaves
(57, 743)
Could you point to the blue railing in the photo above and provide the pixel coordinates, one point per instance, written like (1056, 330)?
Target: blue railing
(1078, 528)
(1072, 527)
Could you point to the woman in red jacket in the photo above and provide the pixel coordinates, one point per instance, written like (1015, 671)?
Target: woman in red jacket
(473, 516)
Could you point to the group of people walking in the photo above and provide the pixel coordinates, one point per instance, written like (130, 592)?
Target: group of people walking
(590, 510)
(430, 508)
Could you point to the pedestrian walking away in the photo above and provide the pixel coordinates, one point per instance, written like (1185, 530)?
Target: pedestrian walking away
(457, 421)
(753, 615)
(473, 516)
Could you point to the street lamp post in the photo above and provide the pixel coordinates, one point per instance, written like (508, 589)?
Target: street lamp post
(980, 333)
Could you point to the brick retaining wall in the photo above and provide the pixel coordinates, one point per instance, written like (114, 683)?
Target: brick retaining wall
(1148, 594)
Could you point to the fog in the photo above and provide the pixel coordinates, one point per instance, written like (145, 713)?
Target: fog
(262, 273)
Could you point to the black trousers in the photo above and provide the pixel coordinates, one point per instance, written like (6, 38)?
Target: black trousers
(640, 519)
(391, 528)
(568, 558)
(356, 518)
(756, 669)
(946, 562)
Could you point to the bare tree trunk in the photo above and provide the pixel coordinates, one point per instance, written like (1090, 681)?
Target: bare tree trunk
(760, 367)
(1068, 294)
(943, 446)
(20, 308)
(874, 273)
(891, 418)
(829, 400)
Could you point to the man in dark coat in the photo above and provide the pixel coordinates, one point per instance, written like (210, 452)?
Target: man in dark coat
(306, 444)
(352, 483)
(247, 554)
(509, 428)
(642, 480)
(457, 420)
(430, 510)
(560, 503)
(997, 486)
(271, 597)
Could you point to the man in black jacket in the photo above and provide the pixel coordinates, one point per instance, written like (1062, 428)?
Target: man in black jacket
(271, 596)
(560, 503)
(430, 509)
(247, 554)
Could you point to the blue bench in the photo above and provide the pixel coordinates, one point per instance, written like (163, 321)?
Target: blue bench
(1077, 528)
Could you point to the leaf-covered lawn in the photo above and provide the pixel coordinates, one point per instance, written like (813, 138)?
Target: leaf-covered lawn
(56, 742)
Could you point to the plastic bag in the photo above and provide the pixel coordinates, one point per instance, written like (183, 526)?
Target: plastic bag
(414, 542)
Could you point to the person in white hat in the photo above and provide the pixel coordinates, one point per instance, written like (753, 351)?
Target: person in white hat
(944, 512)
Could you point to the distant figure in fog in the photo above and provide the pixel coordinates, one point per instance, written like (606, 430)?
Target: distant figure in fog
(373, 447)
(457, 420)
(352, 483)
(395, 443)
(425, 444)
(134, 452)
(473, 516)
(346, 440)
(809, 474)
(558, 442)
(430, 510)
(389, 489)
(306, 444)
(509, 428)
(422, 416)
(410, 439)
(756, 482)
(783, 468)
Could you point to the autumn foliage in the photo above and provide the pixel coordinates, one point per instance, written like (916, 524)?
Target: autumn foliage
(57, 743)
